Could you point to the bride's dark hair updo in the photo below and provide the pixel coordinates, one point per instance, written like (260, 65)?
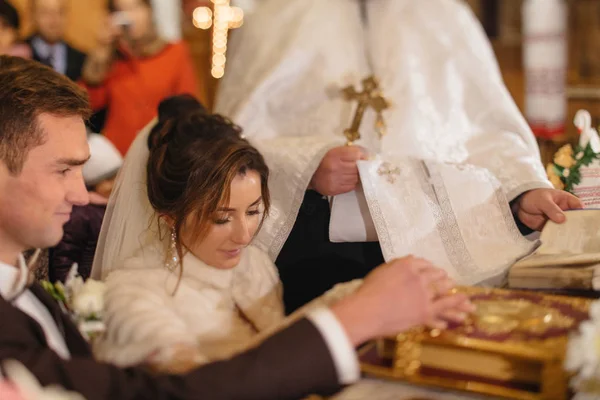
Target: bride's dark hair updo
(194, 157)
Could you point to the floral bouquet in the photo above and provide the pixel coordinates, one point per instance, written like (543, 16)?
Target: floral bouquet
(577, 170)
(20, 384)
(83, 301)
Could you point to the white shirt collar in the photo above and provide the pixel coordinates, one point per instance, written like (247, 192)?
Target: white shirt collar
(13, 280)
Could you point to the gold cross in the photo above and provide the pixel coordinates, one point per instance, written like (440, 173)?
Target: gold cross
(369, 97)
(222, 20)
(388, 170)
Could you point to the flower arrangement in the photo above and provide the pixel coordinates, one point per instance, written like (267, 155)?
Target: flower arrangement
(20, 384)
(565, 170)
(84, 301)
(583, 357)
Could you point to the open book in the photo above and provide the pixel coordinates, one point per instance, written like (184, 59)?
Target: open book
(568, 257)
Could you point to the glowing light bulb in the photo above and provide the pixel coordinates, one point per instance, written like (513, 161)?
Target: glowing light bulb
(202, 17)
(237, 17)
(217, 72)
(219, 60)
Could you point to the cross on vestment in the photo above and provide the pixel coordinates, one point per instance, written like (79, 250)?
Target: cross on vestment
(369, 97)
(222, 19)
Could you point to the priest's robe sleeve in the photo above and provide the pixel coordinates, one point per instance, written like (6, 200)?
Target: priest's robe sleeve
(450, 101)
(504, 144)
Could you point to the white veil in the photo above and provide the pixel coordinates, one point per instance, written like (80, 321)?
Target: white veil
(128, 223)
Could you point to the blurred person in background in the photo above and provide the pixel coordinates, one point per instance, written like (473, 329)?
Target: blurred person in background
(47, 42)
(78, 244)
(133, 69)
(9, 32)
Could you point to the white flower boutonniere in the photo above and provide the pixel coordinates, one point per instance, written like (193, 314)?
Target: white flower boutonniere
(84, 301)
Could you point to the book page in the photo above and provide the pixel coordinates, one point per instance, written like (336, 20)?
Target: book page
(537, 260)
(579, 234)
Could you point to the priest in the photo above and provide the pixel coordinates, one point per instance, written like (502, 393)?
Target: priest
(457, 172)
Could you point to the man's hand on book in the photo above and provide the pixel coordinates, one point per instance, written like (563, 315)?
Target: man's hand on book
(537, 206)
(400, 295)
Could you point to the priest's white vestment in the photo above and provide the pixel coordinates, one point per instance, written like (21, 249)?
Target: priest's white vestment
(438, 185)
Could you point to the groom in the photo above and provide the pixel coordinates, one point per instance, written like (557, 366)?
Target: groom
(43, 147)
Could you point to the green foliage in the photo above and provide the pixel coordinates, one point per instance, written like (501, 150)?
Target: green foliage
(583, 157)
(57, 291)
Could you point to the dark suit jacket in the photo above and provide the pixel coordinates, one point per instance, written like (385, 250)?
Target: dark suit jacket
(75, 60)
(289, 365)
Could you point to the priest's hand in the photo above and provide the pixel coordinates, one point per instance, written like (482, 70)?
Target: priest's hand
(537, 206)
(399, 295)
(338, 172)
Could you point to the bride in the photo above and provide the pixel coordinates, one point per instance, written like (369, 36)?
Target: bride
(203, 263)
(184, 284)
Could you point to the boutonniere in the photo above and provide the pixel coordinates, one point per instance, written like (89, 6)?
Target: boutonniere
(83, 301)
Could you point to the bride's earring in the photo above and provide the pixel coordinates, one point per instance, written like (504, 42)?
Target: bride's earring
(172, 255)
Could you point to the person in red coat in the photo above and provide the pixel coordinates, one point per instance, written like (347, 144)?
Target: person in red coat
(132, 70)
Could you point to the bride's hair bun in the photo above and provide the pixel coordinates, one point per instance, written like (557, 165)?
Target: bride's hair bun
(170, 110)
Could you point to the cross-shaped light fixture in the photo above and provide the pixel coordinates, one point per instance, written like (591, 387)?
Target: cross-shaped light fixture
(222, 19)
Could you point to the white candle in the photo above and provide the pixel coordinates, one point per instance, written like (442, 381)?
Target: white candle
(545, 65)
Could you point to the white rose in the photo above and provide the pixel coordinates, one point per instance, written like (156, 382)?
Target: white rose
(91, 329)
(583, 357)
(88, 299)
(595, 311)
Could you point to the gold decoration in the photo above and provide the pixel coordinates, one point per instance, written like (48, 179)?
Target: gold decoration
(369, 97)
(525, 362)
(564, 157)
(517, 316)
(388, 170)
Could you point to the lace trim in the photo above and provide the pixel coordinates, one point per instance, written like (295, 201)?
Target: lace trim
(383, 233)
(450, 234)
(507, 215)
(281, 234)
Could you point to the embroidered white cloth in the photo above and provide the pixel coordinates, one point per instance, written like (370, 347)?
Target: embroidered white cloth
(449, 105)
(218, 311)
